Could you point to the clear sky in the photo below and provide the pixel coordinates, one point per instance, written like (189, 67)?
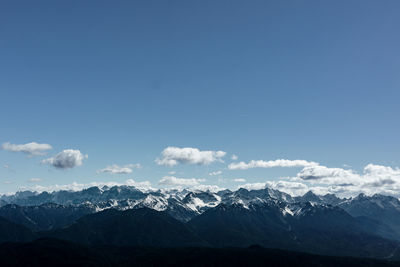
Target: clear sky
(120, 81)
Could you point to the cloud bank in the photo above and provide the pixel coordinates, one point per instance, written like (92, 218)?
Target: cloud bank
(270, 164)
(32, 149)
(172, 156)
(323, 180)
(373, 179)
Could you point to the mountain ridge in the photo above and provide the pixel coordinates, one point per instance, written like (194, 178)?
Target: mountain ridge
(266, 217)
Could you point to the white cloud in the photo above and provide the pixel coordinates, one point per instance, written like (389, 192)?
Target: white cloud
(35, 180)
(66, 159)
(172, 172)
(7, 182)
(239, 180)
(32, 149)
(234, 157)
(215, 173)
(270, 164)
(174, 181)
(115, 169)
(322, 174)
(376, 177)
(172, 156)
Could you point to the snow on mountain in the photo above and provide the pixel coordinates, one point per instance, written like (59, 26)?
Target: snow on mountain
(186, 204)
(200, 201)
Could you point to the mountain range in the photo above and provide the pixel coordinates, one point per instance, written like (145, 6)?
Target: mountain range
(364, 226)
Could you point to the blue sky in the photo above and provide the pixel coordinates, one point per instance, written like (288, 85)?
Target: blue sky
(121, 81)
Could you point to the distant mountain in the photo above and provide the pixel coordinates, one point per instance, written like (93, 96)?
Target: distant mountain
(243, 217)
(182, 205)
(63, 197)
(137, 227)
(382, 211)
(331, 199)
(328, 199)
(310, 197)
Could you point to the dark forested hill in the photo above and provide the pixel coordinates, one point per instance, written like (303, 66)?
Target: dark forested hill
(12, 232)
(51, 252)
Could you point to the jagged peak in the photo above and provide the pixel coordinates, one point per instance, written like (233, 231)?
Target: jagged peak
(360, 196)
(310, 193)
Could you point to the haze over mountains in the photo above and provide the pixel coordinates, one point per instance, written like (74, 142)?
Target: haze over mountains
(364, 226)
